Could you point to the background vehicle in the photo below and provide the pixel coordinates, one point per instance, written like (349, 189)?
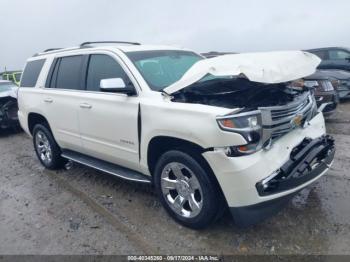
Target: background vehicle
(8, 105)
(13, 76)
(341, 81)
(333, 57)
(325, 90)
(202, 131)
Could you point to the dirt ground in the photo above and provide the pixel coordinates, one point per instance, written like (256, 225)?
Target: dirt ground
(82, 211)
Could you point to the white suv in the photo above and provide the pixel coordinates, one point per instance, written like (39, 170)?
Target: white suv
(233, 131)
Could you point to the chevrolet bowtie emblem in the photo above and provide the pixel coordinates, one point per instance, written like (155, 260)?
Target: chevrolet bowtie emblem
(297, 120)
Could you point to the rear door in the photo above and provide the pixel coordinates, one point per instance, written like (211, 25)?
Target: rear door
(109, 121)
(61, 99)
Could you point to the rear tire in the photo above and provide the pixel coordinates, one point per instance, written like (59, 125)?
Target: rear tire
(46, 148)
(188, 193)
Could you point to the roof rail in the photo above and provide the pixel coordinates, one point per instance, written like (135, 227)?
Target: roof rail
(52, 49)
(83, 45)
(106, 42)
(55, 50)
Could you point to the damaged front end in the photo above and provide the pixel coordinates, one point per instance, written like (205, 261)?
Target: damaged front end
(267, 100)
(8, 106)
(265, 111)
(307, 160)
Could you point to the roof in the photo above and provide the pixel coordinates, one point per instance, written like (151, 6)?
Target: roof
(131, 48)
(122, 47)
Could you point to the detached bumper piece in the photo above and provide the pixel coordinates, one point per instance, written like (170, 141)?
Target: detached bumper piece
(308, 160)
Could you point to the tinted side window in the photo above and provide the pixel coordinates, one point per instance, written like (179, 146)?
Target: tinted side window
(103, 67)
(31, 73)
(69, 73)
(338, 55)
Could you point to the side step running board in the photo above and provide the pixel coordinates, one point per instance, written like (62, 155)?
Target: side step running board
(106, 167)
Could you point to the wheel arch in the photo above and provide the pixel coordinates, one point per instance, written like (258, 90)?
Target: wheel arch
(158, 145)
(36, 118)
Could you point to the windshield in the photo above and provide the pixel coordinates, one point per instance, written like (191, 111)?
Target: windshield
(163, 68)
(6, 86)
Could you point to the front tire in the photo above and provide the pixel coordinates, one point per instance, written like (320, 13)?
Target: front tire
(188, 193)
(46, 148)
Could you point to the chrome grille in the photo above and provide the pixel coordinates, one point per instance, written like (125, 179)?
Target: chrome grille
(278, 120)
(283, 113)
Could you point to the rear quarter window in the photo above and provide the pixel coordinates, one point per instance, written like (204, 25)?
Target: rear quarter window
(31, 73)
(66, 73)
(69, 73)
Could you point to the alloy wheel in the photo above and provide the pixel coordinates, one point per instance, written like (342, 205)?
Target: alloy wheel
(182, 190)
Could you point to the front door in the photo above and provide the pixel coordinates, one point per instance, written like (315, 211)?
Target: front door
(108, 121)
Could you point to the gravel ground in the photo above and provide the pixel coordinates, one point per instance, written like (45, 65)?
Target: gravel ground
(82, 211)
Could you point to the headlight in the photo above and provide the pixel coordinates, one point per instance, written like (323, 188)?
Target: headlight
(243, 122)
(246, 124)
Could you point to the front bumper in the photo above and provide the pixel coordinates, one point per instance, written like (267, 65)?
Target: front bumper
(308, 160)
(239, 177)
(312, 159)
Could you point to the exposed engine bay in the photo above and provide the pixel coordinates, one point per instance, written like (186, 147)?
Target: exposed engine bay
(238, 92)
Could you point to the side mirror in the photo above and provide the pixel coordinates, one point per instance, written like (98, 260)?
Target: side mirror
(116, 85)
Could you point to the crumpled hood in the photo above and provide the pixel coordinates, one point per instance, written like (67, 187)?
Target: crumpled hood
(265, 67)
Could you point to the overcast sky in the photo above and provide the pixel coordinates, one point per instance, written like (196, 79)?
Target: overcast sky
(29, 26)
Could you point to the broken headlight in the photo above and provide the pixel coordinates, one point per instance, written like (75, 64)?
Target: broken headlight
(249, 125)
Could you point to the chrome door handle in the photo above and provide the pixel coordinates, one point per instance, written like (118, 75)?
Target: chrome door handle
(48, 100)
(85, 105)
